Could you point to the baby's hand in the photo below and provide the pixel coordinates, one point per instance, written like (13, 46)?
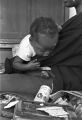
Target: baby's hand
(34, 64)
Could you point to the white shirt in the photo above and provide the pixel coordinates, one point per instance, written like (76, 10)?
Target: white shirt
(25, 50)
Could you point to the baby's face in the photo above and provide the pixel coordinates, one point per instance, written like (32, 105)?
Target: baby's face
(45, 44)
(41, 51)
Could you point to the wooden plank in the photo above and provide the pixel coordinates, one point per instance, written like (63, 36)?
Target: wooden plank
(10, 41)
(7, 45)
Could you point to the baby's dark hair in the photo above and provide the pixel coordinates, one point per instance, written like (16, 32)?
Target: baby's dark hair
(44, 25)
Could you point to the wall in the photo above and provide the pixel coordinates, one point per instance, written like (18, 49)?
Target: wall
(17, 15)
(5, 53)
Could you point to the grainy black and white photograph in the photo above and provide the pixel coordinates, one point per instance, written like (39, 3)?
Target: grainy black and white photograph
(40, 59)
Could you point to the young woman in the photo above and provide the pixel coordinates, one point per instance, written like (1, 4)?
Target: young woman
(66, 62)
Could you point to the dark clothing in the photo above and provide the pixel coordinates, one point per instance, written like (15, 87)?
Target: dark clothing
(66, 62)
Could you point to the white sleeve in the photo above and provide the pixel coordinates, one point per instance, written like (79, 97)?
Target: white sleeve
(24, 51)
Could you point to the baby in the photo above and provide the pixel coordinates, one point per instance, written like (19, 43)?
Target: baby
(41, 40)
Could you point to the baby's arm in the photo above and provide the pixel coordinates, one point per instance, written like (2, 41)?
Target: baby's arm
(19, 65)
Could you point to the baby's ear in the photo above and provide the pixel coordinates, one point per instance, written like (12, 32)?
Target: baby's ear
(59, 27)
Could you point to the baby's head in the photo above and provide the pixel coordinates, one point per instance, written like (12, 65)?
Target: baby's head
(44, 35)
